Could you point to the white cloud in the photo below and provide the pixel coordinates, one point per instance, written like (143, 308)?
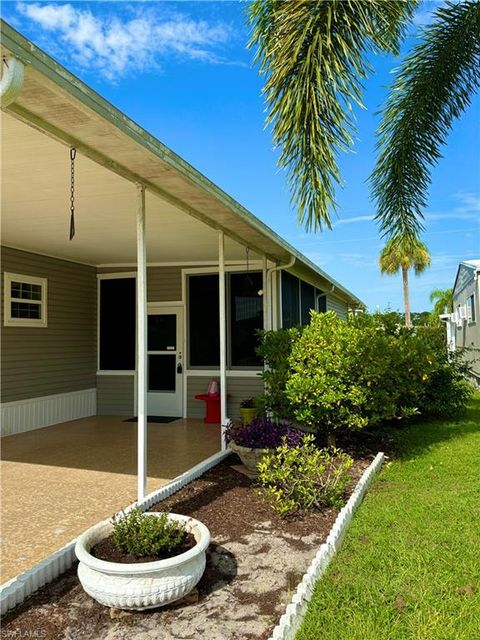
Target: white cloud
(116, 46)
(468, 209)
(353, 220)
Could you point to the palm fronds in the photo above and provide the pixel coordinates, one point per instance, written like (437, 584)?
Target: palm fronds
(313, 54)
(432, 88)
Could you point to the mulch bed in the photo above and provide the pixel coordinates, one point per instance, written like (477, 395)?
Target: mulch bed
(254, 563)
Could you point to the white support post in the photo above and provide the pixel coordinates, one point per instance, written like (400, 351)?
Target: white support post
(141, 346)
(266, 296)
(223, 337)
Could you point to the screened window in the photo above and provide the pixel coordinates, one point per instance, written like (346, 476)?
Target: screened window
(471, 308)
(246, 318)
(117, 324)
(307, 301)
(290, 300)
(321, 302)
(25, 301)
(203, 321)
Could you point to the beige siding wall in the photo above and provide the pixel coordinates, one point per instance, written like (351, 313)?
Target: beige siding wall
(238, 389)
(339, 306)
(62, 356)
(115, 395)
(468, 335)
(164, 284)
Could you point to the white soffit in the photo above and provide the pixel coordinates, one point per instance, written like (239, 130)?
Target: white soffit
(35, 208)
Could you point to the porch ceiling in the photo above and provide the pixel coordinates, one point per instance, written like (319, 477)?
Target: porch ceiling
(65, 110)
(35, 208)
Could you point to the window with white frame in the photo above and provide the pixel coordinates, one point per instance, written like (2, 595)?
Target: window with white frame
(471, 308)
(25, 301)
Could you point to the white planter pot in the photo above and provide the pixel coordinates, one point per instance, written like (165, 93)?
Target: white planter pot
(142, 585)
(249, 457)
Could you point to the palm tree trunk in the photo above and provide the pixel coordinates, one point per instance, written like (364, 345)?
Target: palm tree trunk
(406, 299)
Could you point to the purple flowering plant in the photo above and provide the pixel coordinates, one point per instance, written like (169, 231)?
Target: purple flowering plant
(263, 433)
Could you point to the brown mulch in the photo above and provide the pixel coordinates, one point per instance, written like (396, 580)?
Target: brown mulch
(250, 545)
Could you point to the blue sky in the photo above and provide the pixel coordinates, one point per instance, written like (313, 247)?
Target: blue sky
(182, 71)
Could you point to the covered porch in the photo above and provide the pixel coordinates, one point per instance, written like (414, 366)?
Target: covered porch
(58, 480)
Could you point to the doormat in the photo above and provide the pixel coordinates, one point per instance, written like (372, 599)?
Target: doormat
(163, 419)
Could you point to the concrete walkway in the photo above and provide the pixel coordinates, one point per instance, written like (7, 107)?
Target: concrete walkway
(58, 481)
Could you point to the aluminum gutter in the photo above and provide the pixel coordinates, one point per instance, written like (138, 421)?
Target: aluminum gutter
(33, 56)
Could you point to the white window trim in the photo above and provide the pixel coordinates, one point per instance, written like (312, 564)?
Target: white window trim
(8, 321)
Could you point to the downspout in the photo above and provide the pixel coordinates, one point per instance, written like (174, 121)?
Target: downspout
(12, 80)
(270, 273)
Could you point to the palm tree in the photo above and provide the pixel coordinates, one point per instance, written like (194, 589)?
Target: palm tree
(314, 56)
(432, 88)
(404, 253)
(443, 299)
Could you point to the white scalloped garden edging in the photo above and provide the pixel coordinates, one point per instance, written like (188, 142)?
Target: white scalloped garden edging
(16, 590)
(291, 620)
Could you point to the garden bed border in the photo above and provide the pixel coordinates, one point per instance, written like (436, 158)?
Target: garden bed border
(17, 589)
(295, 612)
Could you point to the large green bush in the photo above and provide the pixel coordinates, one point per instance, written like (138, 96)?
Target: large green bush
(347, 374)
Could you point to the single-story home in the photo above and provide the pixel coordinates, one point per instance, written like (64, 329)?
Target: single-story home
(463, 325)
(164, 283)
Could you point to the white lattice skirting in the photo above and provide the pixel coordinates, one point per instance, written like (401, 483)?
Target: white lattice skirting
(35, 413)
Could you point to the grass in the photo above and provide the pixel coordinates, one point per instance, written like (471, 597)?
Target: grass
(409, 567)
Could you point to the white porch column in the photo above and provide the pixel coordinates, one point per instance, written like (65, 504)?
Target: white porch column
(223, 336)
(141, 346)
(267, 303)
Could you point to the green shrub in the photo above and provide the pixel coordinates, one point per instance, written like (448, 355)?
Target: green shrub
(141, 535)
(304, 477)
(275, 348)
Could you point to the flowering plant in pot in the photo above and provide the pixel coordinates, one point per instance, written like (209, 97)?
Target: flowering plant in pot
(248, 410)
(142, 560)
(252, 441)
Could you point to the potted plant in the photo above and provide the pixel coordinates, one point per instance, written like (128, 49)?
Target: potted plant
(252, 441)
(142, 560)
(248, 410)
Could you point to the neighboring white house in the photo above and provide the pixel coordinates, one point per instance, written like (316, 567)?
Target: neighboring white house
(463, 325)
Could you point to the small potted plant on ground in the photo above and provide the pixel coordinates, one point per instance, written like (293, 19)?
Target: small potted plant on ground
(252, 441)
(248, 410)
(142, 560)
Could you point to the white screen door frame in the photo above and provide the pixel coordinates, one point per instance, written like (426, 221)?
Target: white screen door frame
(165, 362)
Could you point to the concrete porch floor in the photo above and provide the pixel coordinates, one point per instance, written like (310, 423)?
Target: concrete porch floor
(59, 480)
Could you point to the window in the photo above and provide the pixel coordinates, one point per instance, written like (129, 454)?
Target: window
(321, 302)
(25, 301)
(290, 300)
(244, 313)
(117, 324)
(307, 301)
(203, 321)
(246, 318)
(298, 298)
(471, 308)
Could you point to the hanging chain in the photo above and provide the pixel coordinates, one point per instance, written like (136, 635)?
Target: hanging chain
(247, 252)
(73, 153)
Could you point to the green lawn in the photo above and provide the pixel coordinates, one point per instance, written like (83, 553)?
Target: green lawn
(409, 567)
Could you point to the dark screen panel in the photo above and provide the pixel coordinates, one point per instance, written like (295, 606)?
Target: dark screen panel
(117, 324)
(322, 302)
(204, 321)
(290, 300)
(161, 372)
(246, 318)
(162, 332)
(307, 295)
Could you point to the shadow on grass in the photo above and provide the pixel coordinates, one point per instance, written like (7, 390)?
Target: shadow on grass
(412, 439)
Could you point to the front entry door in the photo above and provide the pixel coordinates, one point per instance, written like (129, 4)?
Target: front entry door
(165, 362)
